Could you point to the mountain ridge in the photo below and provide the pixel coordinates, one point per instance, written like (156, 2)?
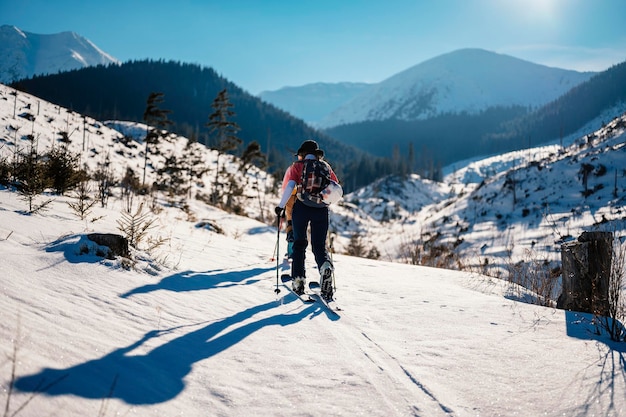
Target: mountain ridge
(28, 54)
(458, 81)
(311, 102)
(466, 80)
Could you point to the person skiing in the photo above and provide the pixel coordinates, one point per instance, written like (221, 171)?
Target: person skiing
(309, 209)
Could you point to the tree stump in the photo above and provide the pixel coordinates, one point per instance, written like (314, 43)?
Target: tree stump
(117, 244)
(586, 266)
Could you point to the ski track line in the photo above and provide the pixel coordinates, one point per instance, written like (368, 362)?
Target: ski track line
(406, 396)
(448, 411)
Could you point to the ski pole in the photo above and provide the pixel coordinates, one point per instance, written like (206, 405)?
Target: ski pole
(331, 248)
(274, 252)
(277, 290)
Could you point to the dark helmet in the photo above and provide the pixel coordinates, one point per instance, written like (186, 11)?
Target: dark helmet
(310, 147)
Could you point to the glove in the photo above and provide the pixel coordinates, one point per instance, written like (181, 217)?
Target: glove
(279, 211)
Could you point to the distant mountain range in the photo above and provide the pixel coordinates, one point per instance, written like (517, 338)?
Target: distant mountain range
(26, 54)
(466, 80)
(464, 104)
(313, 102)
(430, 143)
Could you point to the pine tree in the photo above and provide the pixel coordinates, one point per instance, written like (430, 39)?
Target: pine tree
(62, 169)
(104, 177)
(192, 163)
(84, 203)
(249, 156)
(30, 174)
(156, 120)
(224, 130)
(410, 159)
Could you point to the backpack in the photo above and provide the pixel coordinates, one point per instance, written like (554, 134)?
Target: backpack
(315, 179)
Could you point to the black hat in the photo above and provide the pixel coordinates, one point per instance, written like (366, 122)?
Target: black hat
(310, 147)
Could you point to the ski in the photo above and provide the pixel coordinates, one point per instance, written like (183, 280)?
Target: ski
(305, 298)
(331, 304)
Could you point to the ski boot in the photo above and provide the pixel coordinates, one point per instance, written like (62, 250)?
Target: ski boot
(326, 281)
(298, 285)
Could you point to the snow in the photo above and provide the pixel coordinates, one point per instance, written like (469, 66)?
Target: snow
(204, 332)
(195, 327)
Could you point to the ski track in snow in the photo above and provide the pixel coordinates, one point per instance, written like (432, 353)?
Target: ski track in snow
(403, 394)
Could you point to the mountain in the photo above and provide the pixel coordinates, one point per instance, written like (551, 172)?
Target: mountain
(191, 322)
(26, 54)
(427, 145)
(604, 92)
(463, 81)
(312, 102)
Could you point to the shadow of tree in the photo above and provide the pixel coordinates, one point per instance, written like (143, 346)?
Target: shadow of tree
(586, 327)
(610, 366)
(158, 375)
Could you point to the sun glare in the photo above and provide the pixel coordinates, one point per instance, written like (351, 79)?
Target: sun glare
(534, 11)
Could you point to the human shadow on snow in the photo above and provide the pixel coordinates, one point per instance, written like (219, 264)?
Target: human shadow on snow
(158, 375)
(198, 281)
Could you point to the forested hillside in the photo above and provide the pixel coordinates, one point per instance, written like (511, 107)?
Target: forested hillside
(429, 144)
(571, 111)
(119, 92)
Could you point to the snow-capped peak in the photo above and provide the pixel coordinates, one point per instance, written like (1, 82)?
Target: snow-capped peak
(26, 54)
(466, 80)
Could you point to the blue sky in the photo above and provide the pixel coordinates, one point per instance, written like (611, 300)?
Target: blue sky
(268, 44)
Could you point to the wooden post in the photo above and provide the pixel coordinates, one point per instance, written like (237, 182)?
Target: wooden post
(586, 266)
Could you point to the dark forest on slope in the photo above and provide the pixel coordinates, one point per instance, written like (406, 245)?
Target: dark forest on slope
(119, 92)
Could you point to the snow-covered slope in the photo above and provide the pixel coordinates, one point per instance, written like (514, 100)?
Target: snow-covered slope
(26, 54)
(466, 80)
(198, 330)
(27, 121)
(498, 210)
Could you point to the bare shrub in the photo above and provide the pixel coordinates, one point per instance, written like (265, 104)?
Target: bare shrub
(613, 321)
(135, 226)
(84, 203)
(540, 276)
(429, 250)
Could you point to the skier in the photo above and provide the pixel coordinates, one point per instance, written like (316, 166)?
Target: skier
(309, 208)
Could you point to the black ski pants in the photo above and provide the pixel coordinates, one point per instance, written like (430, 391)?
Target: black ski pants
(302, 217)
